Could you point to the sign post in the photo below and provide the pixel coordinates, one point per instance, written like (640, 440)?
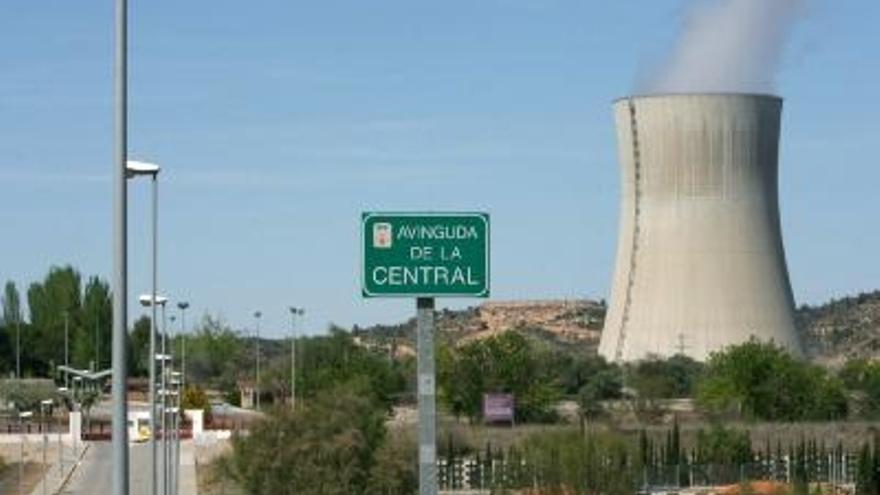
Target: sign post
(427, 398)
(424, 256)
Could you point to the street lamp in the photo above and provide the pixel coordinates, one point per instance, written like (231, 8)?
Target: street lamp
(67, 342)
(21, 416)
(61, 391)
(182, 305)
(257, 315)
(164, 393)
(175, 465)
(294, 312)
(146, 300)
(45, 404)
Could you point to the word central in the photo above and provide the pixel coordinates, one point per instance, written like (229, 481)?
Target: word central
(435, 275)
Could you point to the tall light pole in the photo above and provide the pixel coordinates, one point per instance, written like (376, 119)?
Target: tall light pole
(165, 359)
(67, 343)
(120, 257)
(18, 347)
(45, 404)
(182, 305)
(21, 416)
(294, 312)
(147, 300)
(98, 339)
(257, 315)
(175, 426)
(151, 170)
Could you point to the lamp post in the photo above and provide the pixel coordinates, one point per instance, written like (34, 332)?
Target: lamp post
(257, 315)
(175, 466)
(182, 305)
(67, 342)
(21, 416)
(147, 301)
(45, 404)
(61, 391)
(163, 392)
(18, 347)
(294, 312)
(76, 407)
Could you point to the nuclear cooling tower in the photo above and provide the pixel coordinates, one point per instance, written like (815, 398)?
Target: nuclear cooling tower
(700, 262)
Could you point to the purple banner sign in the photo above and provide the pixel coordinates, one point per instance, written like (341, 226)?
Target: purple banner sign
(498, 408)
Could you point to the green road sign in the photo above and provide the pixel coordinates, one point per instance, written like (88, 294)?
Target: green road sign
(425, 254)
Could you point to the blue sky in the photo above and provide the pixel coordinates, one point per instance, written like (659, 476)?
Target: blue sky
(278, 122)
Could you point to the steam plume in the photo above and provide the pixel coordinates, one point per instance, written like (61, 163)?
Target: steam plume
(729, 45)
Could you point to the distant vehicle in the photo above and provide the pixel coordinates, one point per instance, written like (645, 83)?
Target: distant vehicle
(139, 426)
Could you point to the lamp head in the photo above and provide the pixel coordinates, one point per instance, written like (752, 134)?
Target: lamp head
(133, 168)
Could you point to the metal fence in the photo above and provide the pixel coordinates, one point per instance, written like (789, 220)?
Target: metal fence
(474, 473)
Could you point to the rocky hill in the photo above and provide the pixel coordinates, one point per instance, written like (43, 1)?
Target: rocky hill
(842, 328)
(557, 322)
(834, 331)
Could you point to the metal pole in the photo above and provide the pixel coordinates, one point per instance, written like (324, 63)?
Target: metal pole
(20, 455)
(183, 307)
(18, 347)
(177, 415)
(60, 450)
(66, 344)
(120, 260)
(164, 405)
(427, 397)
(293, 358)
(152, 358)
(45, 448)
(257, 384)
(98, 341)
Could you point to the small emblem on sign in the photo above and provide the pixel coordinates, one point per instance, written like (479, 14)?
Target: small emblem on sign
(382, 235)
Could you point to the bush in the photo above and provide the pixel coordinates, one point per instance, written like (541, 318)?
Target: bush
(762, 381)
(394, 471)
(507, 363)
(863, 376)
(656, 378)
(326, 448)
(194, 397)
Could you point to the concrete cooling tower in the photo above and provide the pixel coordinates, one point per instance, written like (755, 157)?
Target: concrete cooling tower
(700, 262)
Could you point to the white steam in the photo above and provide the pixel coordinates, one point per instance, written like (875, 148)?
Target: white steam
(729, 46)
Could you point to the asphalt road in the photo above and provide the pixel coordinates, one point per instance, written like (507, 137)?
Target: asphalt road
(95, 473)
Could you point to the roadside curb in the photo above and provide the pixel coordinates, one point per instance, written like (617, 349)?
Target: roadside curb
(73, 469)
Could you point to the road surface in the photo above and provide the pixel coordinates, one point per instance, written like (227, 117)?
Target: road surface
(95, 473)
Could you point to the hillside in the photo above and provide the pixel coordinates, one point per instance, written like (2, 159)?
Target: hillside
(832, 332)
(842, 328)
(556, 322)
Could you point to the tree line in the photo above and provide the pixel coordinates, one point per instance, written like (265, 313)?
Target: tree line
(61, 307)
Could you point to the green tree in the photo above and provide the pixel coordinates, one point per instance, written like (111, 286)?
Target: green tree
(11, 304)
(10, 325)
(194, 397)
(56, 298)
(94, 340)
(139, 347)
(724, 446)
(326, 448)
(762, 381)
(393, 471)
(863, 377)
(506, 363)
(675, 377)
